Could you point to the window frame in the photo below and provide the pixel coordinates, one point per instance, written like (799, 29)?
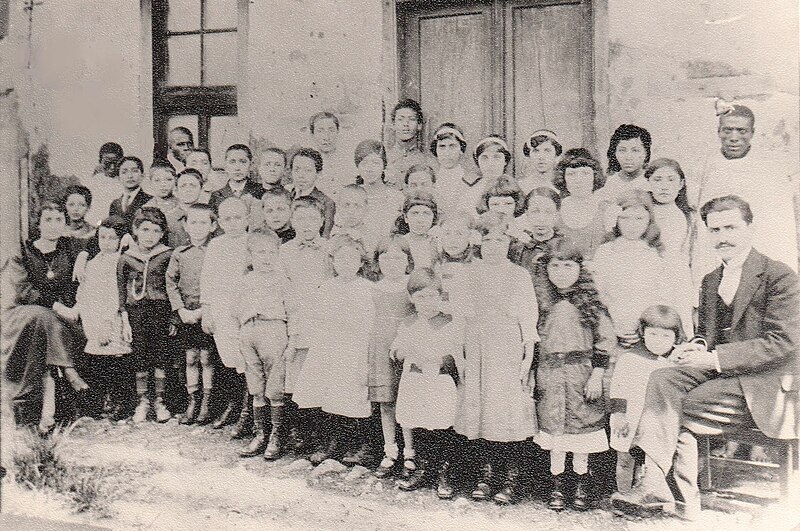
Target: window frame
(204, 101)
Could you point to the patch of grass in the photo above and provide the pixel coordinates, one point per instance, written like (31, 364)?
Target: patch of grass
(38, 464)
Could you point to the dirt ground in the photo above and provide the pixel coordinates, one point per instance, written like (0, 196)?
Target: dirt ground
(185, 477)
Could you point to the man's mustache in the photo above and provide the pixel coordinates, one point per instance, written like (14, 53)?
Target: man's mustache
(723, 244)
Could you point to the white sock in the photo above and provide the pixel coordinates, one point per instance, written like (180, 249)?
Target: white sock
(580, 463)
(390, 450)
(557, 462)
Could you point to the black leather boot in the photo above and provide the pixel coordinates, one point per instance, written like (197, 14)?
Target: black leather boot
(507, 495)
(444, 490)
(227, 416)
(259, 442)
(244, 426)
(190, 415)
(557, 502)
(275, 446)
(581, 499)
(483, 489)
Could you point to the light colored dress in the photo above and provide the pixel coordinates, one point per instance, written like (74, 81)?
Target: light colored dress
(224, 266)
(391, 307)
(569, 422)
(334, 376)
(97, 301)
(628, 387)
(427, 396)
(498, 304)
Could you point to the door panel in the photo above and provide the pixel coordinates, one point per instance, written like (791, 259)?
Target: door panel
(448, 67)
(547, 73)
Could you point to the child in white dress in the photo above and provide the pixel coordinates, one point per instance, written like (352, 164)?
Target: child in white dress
(334, 376)
(428, 345)
(660, 329)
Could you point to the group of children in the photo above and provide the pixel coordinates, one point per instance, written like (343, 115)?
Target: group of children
(478, 312)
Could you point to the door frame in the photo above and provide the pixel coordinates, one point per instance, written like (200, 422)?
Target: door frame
(595, 102)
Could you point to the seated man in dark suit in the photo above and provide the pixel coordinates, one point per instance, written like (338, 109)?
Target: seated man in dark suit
(743, 375)
(131, 173)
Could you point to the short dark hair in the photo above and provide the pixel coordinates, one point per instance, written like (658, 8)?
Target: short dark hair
(112, 148)
(190, 171)
(437, 136)
(420, 168)
(239, 147)
(627, 132)
(153, 215)
(538, 140)
(578, 158)
(309, 153)
(322, 116)
(309, 202)
(486, 142)
(727, 202)
(184, 130)
(662, 316)
(78, 189)
(503, 187)
(741, 110)
(135, 160)
(57, 206)
(369, 147)
(423, 198)
(409, 103)
(543, 191)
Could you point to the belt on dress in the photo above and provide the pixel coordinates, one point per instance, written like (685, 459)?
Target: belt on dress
(557, 359)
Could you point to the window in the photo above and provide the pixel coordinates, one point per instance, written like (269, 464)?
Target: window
(197, 50)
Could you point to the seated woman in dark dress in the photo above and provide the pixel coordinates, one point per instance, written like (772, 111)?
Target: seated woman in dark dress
(33, 337)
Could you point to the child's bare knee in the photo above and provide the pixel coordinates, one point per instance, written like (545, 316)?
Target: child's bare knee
(192, 357)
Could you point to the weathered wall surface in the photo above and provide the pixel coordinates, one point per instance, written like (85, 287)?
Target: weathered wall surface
(668, 62)
(83, 87)
(313, 55)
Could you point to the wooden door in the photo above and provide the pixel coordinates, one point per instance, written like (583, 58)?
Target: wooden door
(508, 67)
(446, 64)
(549, 71)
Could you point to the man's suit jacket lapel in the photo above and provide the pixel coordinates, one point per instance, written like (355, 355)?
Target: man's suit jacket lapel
(752, 271)
(709, 307)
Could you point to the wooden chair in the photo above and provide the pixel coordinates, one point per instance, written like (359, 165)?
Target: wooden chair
(788, 465)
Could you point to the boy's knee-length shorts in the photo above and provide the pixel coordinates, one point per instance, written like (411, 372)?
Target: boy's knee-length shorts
(262, 344)
(150, 321)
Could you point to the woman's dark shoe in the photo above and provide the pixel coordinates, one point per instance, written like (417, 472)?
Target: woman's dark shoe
(414, 474)
(483, 490)
(190, 415)
(507, 495)
(557, 502)
(581, 499)
(444, 490)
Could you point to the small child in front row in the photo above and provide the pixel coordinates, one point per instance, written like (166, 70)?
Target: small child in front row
(146, 312)
(428, 345)
(576, 336)
(334, 375)
(391, 308)
(225, 263)
(263, 339)
(660, 329)
(183, 287)
(108, 369)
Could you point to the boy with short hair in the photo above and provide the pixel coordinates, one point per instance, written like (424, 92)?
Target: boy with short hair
(183, 288)
(276, 209)
(406, 150)
(306, 166)
(104, 182)
(200, 160)
(225, 263)
(263, 339)
(238, 160)
(272, 168)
